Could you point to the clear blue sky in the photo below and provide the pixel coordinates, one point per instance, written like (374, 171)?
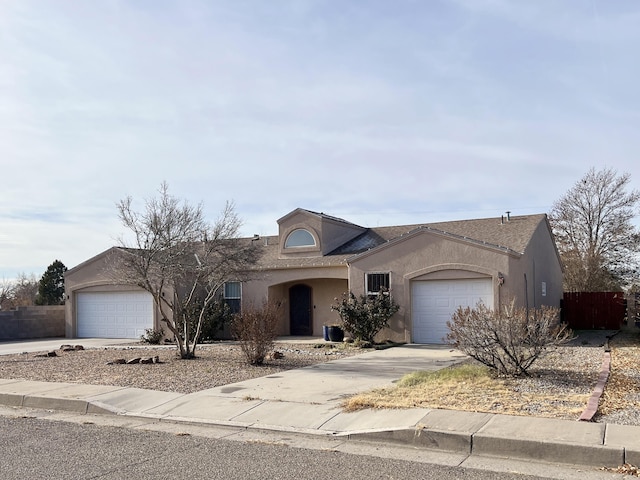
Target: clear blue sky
(380, 112)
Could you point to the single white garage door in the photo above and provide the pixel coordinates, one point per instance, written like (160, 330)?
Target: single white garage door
(433, 302)
(114, 314)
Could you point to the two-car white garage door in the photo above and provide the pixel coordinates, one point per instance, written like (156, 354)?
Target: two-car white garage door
(114, 314)
(433, 302)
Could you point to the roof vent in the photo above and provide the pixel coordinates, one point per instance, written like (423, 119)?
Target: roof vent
(508, 215)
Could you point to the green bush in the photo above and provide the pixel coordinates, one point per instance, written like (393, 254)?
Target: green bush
(365, 316)
(216, 315)
(152, 336)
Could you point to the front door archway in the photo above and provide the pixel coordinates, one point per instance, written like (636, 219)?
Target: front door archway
(300, 310)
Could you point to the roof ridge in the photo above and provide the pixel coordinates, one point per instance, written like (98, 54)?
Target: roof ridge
(331, 217)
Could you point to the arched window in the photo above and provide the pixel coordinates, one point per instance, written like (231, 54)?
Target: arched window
(300, 238)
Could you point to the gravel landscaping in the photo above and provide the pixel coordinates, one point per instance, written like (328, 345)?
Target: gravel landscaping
(216, 364)
(560, 382)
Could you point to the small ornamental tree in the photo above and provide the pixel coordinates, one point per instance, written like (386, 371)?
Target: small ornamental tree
(181, 259)
(509, 340)
(365, 316)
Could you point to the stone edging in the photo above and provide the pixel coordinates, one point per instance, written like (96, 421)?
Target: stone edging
(592, 405)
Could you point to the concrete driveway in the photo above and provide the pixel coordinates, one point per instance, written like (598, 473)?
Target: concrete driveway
(331, 382)
(48, 344)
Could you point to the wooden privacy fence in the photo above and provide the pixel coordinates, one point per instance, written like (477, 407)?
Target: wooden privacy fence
(594, 310)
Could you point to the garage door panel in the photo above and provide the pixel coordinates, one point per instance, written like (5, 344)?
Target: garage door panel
(434, 302)
(114, 314)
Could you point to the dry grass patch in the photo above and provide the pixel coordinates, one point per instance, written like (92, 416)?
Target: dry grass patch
(470, 387)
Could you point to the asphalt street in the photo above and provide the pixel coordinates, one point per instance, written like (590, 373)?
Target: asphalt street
(46, 445)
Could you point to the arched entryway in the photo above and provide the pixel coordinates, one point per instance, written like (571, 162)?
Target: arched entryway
(300, 310)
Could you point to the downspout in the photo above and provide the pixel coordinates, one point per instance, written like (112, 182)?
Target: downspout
(535, 298)
(526, 295)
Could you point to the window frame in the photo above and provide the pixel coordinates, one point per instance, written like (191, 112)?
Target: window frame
(287, 245)
(386, 283)
(234, 302)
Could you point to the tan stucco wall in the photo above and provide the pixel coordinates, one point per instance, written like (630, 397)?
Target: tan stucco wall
(430, 256)
(422, 255)
(426, 256)
(92, 276)
(326, 284)
(540, 263)
(330, 233)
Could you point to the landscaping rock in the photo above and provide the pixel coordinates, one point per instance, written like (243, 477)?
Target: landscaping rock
(71, 348)
(275, 355)
(52, 353)
(117, 361)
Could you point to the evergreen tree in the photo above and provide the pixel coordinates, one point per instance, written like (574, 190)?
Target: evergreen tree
(51, 285)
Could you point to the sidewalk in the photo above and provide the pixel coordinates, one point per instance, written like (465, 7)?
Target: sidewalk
(307, 401)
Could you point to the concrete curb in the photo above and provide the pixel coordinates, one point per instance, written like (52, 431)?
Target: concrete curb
(457, 432)
(495, 446)
(548, 451)
(457, 442)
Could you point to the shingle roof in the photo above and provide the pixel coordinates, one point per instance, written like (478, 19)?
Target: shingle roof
(513, 235)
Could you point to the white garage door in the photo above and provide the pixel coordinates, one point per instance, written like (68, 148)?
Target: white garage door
(114, 314)
(433, 303)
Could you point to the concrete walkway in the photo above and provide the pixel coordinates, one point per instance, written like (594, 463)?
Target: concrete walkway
(307, 401)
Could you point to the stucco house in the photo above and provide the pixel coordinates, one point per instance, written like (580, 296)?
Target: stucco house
(430, 269)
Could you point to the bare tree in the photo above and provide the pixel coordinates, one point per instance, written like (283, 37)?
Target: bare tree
(596, 240)
(25, 291)
(7, 288)
(181, 259)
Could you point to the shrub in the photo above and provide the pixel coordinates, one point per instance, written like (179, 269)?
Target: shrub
(152, 336)
(509, 340)
(256, 329)
(215, 316)
(363, 318)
